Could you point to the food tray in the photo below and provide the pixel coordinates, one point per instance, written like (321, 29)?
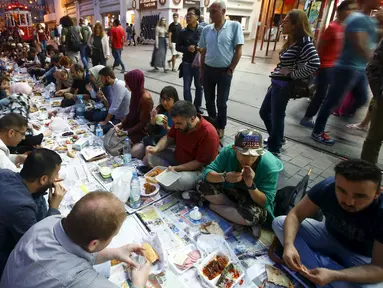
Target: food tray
(187, 249)
(160, 167)
(167, 178)
(212, 283)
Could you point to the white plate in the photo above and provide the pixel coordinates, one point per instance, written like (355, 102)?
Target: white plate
(143, 189)
(187, 249)
(119, 171)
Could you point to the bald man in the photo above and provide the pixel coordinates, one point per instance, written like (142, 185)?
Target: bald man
(60, 252)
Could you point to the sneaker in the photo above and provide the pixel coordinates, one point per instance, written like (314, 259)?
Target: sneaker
(307, 122)
(323, 138)
(200, 111)
(266, 141)
(123, 71)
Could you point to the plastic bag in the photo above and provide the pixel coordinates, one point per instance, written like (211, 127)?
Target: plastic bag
(121, 187)
(197, 60)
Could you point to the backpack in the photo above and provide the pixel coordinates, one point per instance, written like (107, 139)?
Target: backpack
(286, 199)
(74, 40)
(85, 32)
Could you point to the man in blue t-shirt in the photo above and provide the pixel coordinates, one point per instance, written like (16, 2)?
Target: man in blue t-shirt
(349, 72)
(348, 247)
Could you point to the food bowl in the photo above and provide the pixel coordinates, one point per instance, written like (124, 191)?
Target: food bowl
(106, 172)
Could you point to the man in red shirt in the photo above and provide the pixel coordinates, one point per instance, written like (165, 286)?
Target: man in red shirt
(196, 145)
(329, 48)
(117, 38)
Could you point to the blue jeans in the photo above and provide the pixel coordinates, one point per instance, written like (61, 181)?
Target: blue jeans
(84, 56)
(117, 58)
(217, 77)
(345, 80)
(273, 112)
(323, 80)
(43, 45)
(314, 245)
(189, 73)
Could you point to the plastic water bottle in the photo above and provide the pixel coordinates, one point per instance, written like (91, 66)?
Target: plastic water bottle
(135, 192)
(99, 132)
(127, 152)
(80, 107)
(47, 98)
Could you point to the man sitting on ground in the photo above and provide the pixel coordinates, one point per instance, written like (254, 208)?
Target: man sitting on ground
(241, 182)
(346, 248)
(60, 252)
(22, 198)
(196, 145)
(80, 80)
(13, 127)
(120, 98)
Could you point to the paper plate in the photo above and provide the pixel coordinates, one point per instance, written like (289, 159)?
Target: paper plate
(143, 189)
(119, 171)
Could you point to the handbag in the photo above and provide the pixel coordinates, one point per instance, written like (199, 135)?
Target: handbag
(197, 60)
(113, 143)
(301, 88)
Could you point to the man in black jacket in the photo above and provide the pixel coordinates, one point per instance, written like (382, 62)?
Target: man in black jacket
(22, 197)
(187, 43)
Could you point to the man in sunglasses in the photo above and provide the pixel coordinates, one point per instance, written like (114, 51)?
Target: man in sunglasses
(241, 182)
(13, 127)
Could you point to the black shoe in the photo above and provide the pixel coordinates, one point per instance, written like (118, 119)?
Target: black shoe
(200, 111)
(266, 141)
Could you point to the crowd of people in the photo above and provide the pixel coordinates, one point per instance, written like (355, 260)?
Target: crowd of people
(41, 248)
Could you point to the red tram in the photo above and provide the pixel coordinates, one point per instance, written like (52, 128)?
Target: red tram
(18, 16)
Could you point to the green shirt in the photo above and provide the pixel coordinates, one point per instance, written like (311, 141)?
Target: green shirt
(266, 172)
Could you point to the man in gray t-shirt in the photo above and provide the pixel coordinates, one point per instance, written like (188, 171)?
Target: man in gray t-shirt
(60, 252)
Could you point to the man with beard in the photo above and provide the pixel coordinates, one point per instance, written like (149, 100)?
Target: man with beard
(196, 145)
(347, 249)
(22, 197)
(120, 98)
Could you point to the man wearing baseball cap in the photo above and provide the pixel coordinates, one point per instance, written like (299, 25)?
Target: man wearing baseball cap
(241, 182)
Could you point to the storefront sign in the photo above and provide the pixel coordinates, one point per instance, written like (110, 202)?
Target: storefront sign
(176, 2)
(162, 2)
(148, 4)
(192, 3)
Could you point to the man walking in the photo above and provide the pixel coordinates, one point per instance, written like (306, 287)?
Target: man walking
(349, 72)
(174, 31)
(188, 44)
(85, 33)
(117, 38)
(329, 49)
(221, 49)
(373, 142)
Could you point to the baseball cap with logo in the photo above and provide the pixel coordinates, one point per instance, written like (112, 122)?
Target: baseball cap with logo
(249, 142)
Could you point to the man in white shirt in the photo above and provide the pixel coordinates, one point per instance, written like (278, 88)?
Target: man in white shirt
(13, 127)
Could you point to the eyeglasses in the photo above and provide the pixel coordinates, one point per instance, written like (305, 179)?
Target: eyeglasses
(22, 133)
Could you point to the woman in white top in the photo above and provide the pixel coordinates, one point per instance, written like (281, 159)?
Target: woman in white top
(99, 44)
(159, 52)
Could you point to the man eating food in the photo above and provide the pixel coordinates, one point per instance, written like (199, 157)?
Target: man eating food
(241, 182)
(347, 249)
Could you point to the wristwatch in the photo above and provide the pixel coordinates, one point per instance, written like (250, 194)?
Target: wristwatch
(252, 187)
(224, 176)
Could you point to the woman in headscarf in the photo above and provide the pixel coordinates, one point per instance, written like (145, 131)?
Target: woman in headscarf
(99, 93)
(141, 104)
